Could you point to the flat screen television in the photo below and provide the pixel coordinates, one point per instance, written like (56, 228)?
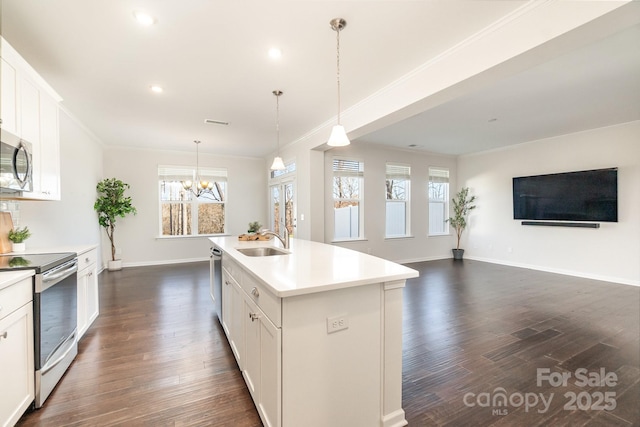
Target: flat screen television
(590, 195)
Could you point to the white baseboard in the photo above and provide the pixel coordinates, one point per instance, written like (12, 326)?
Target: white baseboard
(165, 262)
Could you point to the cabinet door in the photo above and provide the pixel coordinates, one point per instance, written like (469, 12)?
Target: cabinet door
(251, 369)
(30, 113)
(93, 299)
(16, 360)
(270, 373)
(233, 316)
(83, 322)
(262, 363)
(47, 173)
(8, 97)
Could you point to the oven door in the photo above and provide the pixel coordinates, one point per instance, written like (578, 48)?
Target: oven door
(55, 326)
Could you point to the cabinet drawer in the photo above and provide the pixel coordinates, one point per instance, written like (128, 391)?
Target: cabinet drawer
(232, 268)
(15, 296)
(86, 259)
(268, 302)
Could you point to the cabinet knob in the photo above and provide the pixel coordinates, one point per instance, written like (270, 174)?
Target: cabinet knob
(87, 259)
(255, 292)
(252, 316)
(4, 335)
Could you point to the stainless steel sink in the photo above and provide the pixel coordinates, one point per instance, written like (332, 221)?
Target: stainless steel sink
(264, 251)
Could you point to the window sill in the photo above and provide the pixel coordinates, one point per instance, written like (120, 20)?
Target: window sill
(350, 240)
(439, 235)
(399, 237)
(190, 236)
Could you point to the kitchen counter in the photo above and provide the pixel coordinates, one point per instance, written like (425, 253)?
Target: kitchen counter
(312, 267)
(317, 332)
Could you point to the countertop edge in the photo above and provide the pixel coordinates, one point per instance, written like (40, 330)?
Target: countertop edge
(8, 278)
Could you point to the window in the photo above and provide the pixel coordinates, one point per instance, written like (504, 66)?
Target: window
(283, 184)
(184, 214)
(397, 187)
(348, 177)
(438, 201)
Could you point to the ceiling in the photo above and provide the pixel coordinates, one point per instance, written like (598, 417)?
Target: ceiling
(210, 56)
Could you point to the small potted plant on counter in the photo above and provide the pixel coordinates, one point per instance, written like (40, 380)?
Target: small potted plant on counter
(254, 227)
(462, 205)
(111, 204)
(17, 237)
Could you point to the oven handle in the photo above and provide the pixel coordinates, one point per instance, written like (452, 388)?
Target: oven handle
(50, 365)
(66, 270)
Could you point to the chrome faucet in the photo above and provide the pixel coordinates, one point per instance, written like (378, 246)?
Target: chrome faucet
(285, 241)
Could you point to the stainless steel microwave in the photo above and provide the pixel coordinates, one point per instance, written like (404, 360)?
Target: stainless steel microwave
(16, 167)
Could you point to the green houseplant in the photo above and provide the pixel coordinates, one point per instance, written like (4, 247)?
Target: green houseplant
(111, 204)
(254, 227)
(462, 205)
(18, 236)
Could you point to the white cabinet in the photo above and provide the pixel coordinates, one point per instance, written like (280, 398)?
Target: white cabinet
(88, 298)
(16, 351)
(29, 109)
(8, 97)
(232, 315)
(255, 341)
(46, 154)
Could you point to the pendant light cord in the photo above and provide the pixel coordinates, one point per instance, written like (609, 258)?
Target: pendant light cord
(278, 122)
(338, 68)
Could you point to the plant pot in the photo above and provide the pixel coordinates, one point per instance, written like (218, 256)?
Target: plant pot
(114, 265)
(457, 253)
(19, 247)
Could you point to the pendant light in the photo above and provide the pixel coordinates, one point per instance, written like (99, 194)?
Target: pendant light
(338, 136)
(278, 164)
(203, 187)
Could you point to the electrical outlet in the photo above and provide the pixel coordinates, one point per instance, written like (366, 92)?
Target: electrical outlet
(338, 323)
(118, 251)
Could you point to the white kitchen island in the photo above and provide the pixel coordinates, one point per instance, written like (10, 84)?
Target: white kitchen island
(316, 332)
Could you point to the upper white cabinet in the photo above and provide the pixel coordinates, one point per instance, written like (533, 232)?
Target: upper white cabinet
(29, 109)
(8, 97)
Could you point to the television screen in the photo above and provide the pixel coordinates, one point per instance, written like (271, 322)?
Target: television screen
(573, 196)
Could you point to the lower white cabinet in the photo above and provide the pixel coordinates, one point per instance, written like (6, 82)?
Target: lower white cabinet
(262, 368)
(16, 351)
(255, 342)
(88, 298)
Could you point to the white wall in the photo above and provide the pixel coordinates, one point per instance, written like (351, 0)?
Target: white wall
(72, 220)
(610, 253)
(420, 246)
(137, 236)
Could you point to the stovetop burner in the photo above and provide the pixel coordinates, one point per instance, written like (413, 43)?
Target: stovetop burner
(38, 262)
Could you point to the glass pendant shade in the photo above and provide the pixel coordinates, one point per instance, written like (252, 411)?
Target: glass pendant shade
(338, 137)
(277, 164)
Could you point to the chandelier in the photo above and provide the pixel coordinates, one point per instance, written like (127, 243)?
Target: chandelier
(338, 136)
(202, 187)
(278, 164)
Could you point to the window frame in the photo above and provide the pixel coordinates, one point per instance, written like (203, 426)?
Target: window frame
(349, 173)
(215, 174)
(445, 199)
(399, 172)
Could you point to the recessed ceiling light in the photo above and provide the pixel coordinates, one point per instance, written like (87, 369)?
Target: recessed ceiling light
(156, 89)
(144, 18)
(275, 53)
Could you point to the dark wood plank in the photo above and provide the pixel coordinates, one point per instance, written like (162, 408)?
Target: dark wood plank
(157, 356)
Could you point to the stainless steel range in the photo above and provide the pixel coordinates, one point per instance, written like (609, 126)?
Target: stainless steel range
(54, 314)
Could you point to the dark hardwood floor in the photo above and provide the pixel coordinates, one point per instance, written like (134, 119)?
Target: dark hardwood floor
(473, 333)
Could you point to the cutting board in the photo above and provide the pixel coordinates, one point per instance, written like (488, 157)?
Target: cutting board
(6, 224)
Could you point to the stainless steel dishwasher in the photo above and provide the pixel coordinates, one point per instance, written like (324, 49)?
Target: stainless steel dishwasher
(215, 279)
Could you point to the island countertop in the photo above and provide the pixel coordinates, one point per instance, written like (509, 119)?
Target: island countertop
(311, 267)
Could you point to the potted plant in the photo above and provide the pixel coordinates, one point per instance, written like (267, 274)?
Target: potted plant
(462, 205)
(17, 237)
(254, 227)
(111, 204)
